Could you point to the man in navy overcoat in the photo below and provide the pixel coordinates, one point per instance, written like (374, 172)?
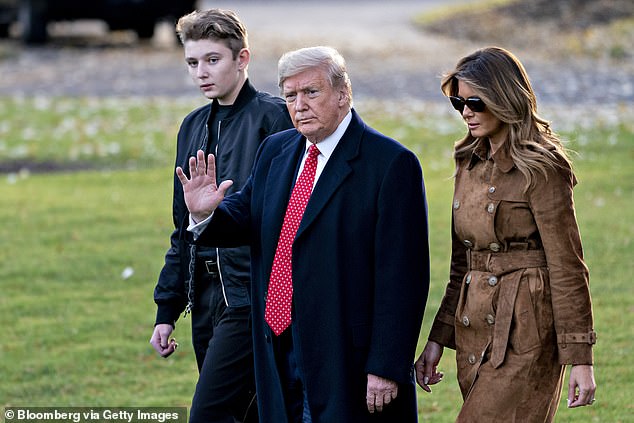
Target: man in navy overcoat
(360, 259)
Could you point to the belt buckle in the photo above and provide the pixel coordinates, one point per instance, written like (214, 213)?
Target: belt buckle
(211, 266)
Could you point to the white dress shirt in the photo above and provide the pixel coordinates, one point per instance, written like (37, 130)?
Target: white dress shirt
(326, 148)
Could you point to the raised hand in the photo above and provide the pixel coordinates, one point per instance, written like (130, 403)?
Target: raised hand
(202, 195)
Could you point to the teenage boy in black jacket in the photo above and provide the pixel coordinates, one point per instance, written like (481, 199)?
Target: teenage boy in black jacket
(214, 283)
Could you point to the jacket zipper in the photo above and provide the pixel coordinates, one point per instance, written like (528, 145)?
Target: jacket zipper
(222, 282)
(190, 282)
(192, 253)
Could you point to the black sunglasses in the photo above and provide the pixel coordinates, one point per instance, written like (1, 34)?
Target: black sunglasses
(475, 104)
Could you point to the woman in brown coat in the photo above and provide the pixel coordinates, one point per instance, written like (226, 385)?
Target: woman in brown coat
(517, 308)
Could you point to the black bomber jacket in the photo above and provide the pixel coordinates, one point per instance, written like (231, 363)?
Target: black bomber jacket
(254, 116)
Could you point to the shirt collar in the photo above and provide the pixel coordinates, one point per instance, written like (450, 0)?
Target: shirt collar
(328, 144)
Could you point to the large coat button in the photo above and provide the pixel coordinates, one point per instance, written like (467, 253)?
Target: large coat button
(468, 281)
(495, 247)
(493, 281)
(472, 359)
(491, 208)
(490, 319)
(468, 243)
(465, 320)
(491, 190)
(456, 204)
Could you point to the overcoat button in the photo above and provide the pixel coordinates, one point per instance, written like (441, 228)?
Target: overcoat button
(490, 319)
(465, 320)
(468, 281)
(495, 247)
(491, 190)
(493, 281)
(491, 208)
(472, 359)
(468, 243)
(456, 204)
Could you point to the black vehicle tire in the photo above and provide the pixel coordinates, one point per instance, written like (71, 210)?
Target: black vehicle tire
(145, 30)
(4, 30)
(32, 18)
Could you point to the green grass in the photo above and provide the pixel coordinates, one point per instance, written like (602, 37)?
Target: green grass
(114, 132)
(75, 332)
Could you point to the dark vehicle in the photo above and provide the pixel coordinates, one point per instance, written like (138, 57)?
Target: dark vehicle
(138, 15)
(8, 14)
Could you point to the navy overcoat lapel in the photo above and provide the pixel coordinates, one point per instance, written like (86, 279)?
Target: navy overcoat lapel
(335, 172)
(280, 179)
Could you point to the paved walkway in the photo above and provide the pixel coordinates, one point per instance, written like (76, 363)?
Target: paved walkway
(387, 57)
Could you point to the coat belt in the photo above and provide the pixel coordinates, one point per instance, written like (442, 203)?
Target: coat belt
(505, 263)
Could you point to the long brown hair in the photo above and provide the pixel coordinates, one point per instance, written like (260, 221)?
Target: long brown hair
(500, 80)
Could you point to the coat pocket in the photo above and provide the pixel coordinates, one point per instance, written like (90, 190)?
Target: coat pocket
(524, 332)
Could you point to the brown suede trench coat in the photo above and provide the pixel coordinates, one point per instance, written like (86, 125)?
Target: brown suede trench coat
(517, 307)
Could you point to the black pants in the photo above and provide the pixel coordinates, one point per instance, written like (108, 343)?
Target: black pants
(222, 340)
(292, 377)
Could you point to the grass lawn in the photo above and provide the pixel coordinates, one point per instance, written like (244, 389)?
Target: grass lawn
(76, 328)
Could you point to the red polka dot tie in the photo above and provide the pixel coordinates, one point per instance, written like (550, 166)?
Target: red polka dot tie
(280, 294)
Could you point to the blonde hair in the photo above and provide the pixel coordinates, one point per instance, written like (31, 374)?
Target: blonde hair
(500, 80)
(327, 58)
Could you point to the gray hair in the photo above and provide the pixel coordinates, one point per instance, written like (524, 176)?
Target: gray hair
(327, 58)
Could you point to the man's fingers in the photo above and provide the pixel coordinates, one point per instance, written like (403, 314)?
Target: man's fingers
(211, 170)
(193, 163)
(378, 405)
(181, 175)
(201, 164)
(169, 350)
(388, 397)
(380, 393)
(376, 402)
(370, 401)
(160, 340)
(224, 186)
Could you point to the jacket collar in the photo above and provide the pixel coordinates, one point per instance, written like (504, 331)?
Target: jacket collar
(502, 157)
(246, 94)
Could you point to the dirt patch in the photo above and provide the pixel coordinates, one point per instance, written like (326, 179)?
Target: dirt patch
(594, 28)
(19, 166)
(578, 53)
(571, 14)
